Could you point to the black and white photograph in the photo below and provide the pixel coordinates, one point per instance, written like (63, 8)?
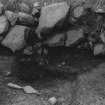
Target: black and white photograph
(52, 52)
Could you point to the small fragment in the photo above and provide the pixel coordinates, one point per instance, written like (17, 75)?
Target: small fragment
(99, 49)
(78, 11)
(52, 100)
(12, 85)
(37, 5)
(30, 89)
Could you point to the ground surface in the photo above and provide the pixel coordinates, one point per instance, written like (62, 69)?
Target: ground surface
(86, 87)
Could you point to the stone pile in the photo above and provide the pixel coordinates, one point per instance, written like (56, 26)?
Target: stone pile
(57, 24)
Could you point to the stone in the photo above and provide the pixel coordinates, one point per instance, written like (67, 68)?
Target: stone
(23, 7)
(15, 38)
(36, 9)
(57, 40)
(25, 18)
(73, 36)
(52, 100)
(99, 49)
(102, 37)
(12, 85)
(35, 12)
(37, 5)
(11, 16)
(78, 11)
(30, 90)
(51, 14)
(4, 25)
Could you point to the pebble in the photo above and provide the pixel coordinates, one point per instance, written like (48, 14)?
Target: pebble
(52, 100)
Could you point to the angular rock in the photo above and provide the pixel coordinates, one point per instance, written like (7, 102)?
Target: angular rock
(51, 14)
(23, 7)
(15, 38)
(3, 24)
(25, 18)
(99, 49)
(11, 16)
(73, 36)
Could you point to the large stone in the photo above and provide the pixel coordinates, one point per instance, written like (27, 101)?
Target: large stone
(73, 36)
(11, 16)
(52, 14)
(3, 24)
(15, 38)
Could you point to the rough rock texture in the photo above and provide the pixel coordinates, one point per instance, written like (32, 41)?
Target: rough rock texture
(15, 38)
(51, 14)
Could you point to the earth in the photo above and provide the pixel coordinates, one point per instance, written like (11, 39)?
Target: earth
(83, 83)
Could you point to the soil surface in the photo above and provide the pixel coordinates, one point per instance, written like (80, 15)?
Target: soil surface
(84, 86)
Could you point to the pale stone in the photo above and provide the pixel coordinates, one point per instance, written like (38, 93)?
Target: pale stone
(78, 11)
(15, 38)
(52, 14)
(99, 49)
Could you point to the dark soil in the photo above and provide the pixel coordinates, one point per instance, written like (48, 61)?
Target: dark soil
(81, 81)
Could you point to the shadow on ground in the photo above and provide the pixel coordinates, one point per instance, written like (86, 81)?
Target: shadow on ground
(80, 81)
